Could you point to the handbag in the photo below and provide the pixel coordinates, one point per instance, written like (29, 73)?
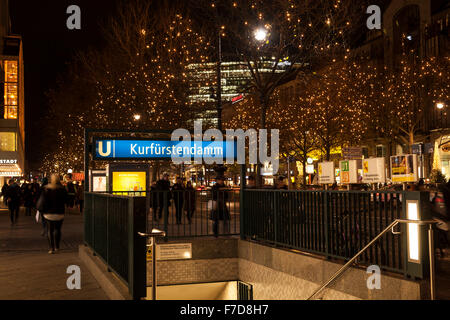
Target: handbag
(212, 205)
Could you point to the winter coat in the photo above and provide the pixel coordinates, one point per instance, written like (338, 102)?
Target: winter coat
(53, 200)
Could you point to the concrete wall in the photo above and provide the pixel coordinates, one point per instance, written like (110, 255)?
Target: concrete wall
(277, 274)
(274, 273)
(213, 260)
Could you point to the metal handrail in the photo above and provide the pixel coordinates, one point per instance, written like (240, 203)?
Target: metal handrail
(390, 227)
(153, 235)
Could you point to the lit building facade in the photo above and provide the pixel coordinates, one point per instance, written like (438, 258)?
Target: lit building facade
(12, 104)
(236, 78)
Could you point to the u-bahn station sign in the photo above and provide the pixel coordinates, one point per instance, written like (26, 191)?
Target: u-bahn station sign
(160, 150)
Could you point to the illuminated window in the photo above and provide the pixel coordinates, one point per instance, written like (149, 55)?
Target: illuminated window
(11, 89)
(8, 141)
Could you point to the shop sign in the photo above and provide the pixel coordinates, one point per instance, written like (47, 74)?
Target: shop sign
(8, 161)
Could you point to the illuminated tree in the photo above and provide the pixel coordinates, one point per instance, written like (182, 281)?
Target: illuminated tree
(142, 71)
(410, 91)
(300, 34)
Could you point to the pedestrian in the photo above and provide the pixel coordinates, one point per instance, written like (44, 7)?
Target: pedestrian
(281, 184)
(4, 188)
(154, 200)
(28, 199)
(178, 198)
(52, 204)
(164, 195)
(41, 189)
(70, 188)
(251, 183)
(219, 208)
(189, 205)
(13, 200)
(80, 196)
(439, 212)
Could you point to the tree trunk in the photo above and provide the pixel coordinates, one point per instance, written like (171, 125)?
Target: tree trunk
(411, 142)
(264, 105)
(304, 172)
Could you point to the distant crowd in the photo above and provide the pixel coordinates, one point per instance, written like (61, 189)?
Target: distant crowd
(47, 200)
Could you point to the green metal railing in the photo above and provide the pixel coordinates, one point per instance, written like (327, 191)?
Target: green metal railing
(330, 223)
(187, 213)
(111, 225)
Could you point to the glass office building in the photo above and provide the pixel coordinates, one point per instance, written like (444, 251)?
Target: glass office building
(236, 79)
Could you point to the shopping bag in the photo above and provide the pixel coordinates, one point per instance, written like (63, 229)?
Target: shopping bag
(212, 205)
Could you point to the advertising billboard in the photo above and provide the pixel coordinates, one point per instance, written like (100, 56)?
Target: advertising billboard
(99, 184)
(326, 173)
(404, 168)
(129, 181)
(374, 170)
(349, 171)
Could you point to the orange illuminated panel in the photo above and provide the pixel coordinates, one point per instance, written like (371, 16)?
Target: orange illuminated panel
(11, 92)
(10, 112)
(11, 71)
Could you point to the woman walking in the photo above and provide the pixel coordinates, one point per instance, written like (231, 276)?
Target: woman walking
(52, 205)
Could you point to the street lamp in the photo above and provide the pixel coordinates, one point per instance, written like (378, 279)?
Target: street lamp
(440, 106)
(260, 34)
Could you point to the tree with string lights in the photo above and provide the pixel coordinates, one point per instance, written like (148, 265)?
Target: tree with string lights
(409, 91)
(140, 80)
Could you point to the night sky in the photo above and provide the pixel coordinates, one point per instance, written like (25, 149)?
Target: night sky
(48, 47)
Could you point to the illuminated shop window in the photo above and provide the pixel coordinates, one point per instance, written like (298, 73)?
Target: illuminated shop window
(11, 71)
(8, 141)
(11, 91)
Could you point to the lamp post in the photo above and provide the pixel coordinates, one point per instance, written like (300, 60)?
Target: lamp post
(219, 169)
(440, 107)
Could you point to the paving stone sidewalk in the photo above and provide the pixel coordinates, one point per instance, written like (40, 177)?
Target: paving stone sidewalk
(28, 272)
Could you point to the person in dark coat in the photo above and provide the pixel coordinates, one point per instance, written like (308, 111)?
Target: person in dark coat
(71, 192)
(178, 198)
(189, 201)
(80, 196)
(220, 211)
(52, 203)
(28, 199)
(154, 200)
(251, 183)
(13, 200)
(41, 188)
(163, 187)
(281, 183)
(4, 188)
